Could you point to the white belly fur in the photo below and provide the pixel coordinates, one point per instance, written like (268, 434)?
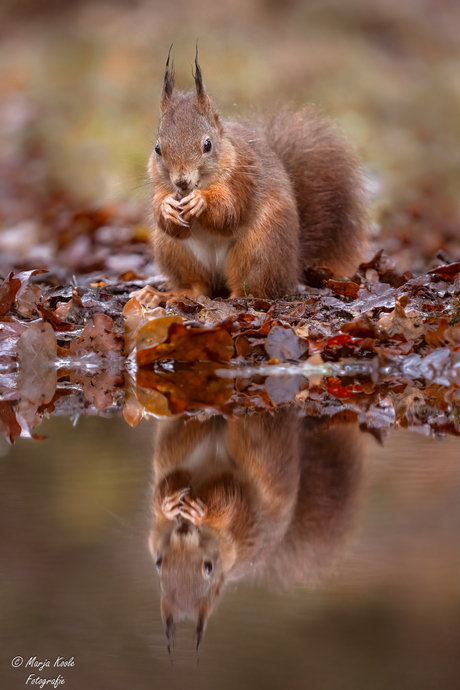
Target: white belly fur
(208, 458)
(210, 250)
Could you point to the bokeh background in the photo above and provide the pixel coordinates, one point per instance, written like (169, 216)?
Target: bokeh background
(80, 83)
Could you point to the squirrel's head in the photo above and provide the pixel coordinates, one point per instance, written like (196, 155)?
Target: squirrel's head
(192, 562)
(188, 148)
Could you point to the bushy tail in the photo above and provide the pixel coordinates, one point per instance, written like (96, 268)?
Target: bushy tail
(328, 186)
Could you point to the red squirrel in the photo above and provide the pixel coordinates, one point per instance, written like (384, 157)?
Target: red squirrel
(265, 495)
(242, 207)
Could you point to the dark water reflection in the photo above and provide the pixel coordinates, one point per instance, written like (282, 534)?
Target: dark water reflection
(343, 571)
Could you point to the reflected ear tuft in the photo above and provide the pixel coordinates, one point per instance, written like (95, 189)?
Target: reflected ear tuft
(201, 625)
(168, 622)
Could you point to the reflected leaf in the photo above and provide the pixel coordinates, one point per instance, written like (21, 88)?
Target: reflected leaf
(188, 389)
(37, 349)
(9, 425)
(283, 389)
(133, 409)
(153, 401)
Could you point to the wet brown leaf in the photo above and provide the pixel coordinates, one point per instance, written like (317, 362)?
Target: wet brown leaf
(399, 323)
(447, 273)
(8, 291)
(345, 288)
(137, 316)
(155, 331)
(98, 336)
(282, 344)
(436, 335)
(452, 335)
(187, 344)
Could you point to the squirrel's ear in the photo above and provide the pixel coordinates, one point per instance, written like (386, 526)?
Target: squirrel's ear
(168, 622)
(168, 84)
(202, 97)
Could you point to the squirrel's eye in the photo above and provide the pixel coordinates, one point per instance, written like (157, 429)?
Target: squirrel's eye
(158, 150)
(158, 564)
(207, 146)
(208, 567)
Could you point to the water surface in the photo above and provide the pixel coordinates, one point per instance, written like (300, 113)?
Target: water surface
(379, 606)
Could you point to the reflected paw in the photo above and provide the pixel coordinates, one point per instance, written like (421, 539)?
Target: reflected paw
(149, 297)
(172, 504)
(193, 510)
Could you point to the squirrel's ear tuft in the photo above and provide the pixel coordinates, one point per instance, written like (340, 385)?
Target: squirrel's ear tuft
(168, 84)
(201, 625)
(168, 622)
(200, 91)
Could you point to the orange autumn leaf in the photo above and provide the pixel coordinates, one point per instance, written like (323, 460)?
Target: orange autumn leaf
(345, 288)
(187, 344)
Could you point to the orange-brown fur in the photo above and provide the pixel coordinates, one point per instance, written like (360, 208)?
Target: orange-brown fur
(285, 189)
(282, 505)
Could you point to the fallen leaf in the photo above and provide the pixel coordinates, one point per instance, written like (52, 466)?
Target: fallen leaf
(345, 288)
(436, 336)
(187, 344)
(282, 344)
(398, 323)
(155, 331)
(8, 291)
(447, 272)
(98, 336)
(137, 316)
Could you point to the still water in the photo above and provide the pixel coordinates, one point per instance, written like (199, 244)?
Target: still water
(340, 567)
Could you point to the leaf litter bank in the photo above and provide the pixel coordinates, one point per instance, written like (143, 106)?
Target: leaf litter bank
(382, 349)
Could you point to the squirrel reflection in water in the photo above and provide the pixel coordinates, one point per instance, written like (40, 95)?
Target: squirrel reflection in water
(272, 495)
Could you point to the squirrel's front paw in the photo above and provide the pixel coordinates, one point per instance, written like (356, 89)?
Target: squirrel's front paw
(193, 205)
(192, 509)
(172, 211)
(149, 298)
(172, 505)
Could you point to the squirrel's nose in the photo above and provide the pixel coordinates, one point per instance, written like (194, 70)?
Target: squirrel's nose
(182, 184)
(184, 527)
